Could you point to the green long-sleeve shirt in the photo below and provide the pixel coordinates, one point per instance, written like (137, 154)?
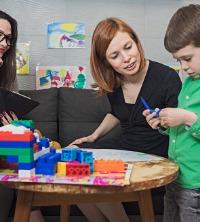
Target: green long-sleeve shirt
(184, 145)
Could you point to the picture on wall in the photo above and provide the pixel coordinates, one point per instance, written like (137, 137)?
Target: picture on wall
(66, 35)
(60, 76)
(22, 58)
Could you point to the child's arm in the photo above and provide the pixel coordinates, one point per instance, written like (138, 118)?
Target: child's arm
(177, 116)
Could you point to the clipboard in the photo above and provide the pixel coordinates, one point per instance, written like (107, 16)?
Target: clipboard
(18, 103)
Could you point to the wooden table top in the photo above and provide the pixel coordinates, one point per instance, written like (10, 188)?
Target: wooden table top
(144, 176)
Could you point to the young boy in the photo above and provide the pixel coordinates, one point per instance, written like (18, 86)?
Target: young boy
(182, 124)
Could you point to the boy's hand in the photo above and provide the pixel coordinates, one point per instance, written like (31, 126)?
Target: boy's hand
(177, 116)
(172, 116)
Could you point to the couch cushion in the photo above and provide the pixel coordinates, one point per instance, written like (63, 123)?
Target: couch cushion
(80, 113)
(45, 116)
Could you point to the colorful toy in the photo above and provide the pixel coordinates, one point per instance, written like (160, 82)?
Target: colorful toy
(30, 152)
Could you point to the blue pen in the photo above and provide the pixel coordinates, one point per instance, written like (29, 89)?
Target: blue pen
(147, 107)
(144, 103)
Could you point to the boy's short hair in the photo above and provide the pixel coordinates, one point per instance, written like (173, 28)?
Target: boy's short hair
(183, 28)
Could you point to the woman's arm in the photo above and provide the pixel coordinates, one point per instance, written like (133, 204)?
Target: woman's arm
(108, 123)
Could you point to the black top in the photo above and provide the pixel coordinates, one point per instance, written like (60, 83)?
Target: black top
(160, 89)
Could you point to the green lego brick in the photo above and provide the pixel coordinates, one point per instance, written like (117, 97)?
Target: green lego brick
(16, 151)
(26, 159)
(29, 123)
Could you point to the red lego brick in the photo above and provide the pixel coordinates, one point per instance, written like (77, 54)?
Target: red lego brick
(77, 169)
(8, 136)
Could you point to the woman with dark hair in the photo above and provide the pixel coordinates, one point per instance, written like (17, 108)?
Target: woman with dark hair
(8, 38)
(8, 80)
(121, 71)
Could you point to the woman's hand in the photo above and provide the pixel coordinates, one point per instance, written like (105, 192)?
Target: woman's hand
(86, 139)
(6, 119)
(151, 119)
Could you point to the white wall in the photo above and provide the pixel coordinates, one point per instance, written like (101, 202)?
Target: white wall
(149, 18)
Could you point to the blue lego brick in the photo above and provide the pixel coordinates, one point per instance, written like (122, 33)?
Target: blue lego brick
(84, 156)
(35, 139)
(50, 158)
(12, 159)
(43, 158)
(27, 166)
(45, 169)
(92, 167)
(88, 157)
(39, 145)
(54, 158)
(45, 142)
(53, 150)
(16, 144)
(68, 154)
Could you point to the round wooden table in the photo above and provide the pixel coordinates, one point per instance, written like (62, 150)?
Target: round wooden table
(144, 176)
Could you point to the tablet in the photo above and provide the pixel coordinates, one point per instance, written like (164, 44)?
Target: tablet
(18, 103)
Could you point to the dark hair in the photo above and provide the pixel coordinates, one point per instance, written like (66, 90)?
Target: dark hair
(105, 77)
(8, 69)
(183, 28)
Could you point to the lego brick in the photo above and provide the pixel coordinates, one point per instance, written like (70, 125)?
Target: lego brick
(39, 145)
(16, 144)
(35, 147)
(61, 168)
(54, 158)
(43, 158)
(12, 159)
(77, 169)
(17, 151)
(26, 173)
(26, 166)
(50, 158)
(41, 152)
(53, 150)
(45, 168)
(27, 123)
(68, 154)
(44, 141)
(25, 159)
(109, 165)
(9, 136)
(84, 156)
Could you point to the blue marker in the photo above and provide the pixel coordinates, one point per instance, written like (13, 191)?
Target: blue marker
(144, 103)
(147, 107)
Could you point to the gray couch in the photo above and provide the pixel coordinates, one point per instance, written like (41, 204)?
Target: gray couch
(65, 114)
